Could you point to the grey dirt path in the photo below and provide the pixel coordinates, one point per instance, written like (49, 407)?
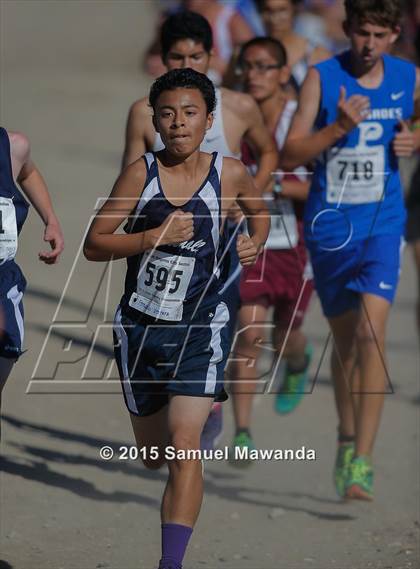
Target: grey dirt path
(69, 71)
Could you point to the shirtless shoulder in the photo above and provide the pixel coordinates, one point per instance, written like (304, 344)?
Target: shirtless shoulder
(128, 188)
(239, 104)
(319, 54)
(140, 115)
(141, 108)
(241, 114)
(139, 133)
(19, 146)
(233, 174)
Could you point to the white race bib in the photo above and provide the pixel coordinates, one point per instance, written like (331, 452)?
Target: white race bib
(355, 175)
(162, 284)
(8, 230)
(284, 231)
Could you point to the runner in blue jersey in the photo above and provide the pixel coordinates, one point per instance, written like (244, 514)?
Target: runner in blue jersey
(171, 325)
(17, 167)
(353, 119)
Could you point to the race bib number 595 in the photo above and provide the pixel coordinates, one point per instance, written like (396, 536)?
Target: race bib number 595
(162, 284)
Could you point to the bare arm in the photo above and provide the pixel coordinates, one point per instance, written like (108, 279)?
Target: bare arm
(239, 30)
(236, 177)
(416, 117)
(261, 141)
(103, 244)
(139, 118)
(295, 189)
(302, 145)
(34, 187)
(320, 53)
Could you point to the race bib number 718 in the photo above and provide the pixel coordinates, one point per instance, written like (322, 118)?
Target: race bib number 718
(355, 175)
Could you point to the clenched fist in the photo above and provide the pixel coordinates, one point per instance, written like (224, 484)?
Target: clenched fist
(351, 111)
(54, 236)
(403, 143)
(177, 227)
(247, 250)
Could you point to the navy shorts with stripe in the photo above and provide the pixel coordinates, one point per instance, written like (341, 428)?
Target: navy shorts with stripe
(12, 287)
(157, 359)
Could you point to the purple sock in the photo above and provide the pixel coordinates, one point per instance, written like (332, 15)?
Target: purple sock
(174, 543)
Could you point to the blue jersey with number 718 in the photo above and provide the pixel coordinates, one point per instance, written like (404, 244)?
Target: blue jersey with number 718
(356, 188)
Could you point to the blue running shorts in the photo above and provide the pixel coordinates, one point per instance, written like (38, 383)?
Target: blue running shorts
(369, 266)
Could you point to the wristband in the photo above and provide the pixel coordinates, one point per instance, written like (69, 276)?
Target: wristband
(277, 188)
(278, 176)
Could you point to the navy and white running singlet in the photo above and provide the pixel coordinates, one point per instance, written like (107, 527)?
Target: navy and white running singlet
(13, 213)
(215, 141)
(170, 281)
(171, 334)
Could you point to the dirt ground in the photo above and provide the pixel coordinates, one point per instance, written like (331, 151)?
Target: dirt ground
(69, 71)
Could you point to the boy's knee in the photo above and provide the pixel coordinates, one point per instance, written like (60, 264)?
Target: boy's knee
(186, 450)
(344, 349)
(185, 440)
(368, 335)
(249, 341)
(152, 456)
(151, 464)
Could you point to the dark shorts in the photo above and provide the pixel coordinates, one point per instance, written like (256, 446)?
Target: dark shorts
(12, 287)
(280, 278)
(156, 360)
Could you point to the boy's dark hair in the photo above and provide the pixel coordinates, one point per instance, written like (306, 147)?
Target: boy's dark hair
(386, 13)
(186, 79)
(260, 4)
(185, 25)
(275, 47)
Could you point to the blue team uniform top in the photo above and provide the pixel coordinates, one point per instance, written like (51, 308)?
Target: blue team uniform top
(171, 281)
(13, 213)
(356, 188)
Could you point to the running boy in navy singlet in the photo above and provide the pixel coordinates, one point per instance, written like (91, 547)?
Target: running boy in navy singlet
(187, 41)
(16, 165)
(171, 325)
(358, 103)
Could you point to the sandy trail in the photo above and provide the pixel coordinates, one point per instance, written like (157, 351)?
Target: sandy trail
(69, 71)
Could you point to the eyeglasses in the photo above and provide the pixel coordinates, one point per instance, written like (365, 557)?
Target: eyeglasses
(260, 68)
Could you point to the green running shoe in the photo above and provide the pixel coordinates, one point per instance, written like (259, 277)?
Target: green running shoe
(345, 454)
(359, 482)
(241, 441)
(293, 387)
